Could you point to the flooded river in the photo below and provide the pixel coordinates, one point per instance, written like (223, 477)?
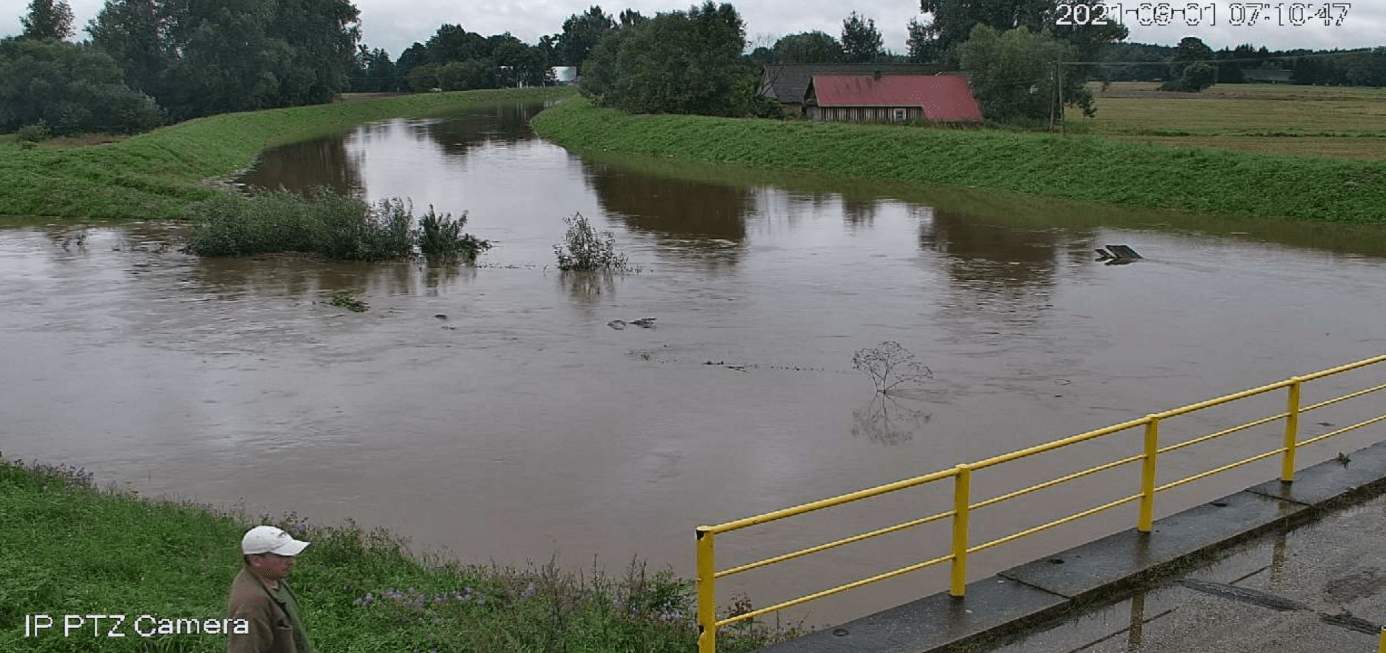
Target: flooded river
(492, 411)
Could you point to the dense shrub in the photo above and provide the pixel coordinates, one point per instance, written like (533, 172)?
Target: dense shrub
(328, 224)
(34, 132)
(1194, 78)
(440, 238)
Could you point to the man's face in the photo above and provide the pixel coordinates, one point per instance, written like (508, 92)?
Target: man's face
(271, 566)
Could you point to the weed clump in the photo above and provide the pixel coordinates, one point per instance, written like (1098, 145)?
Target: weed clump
(328, 224)
(584, 248)
(343, 300)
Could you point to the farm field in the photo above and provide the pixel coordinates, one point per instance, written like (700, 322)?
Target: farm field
(1339, 122)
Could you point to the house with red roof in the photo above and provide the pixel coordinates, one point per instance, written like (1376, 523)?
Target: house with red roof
(891, 98)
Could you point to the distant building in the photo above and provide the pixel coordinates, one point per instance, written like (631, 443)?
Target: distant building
(1260, 76)
(565, 74)
(786, 83)
(891, 98)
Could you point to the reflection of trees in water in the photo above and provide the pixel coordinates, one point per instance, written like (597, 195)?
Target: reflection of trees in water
(859, 213)
(694, 218)
(304, 166)
(506, 124)
(328, 162)
(588, 288)
(305, 277)
(888, 419)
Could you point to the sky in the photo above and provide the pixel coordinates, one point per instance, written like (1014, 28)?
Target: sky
(395, 24)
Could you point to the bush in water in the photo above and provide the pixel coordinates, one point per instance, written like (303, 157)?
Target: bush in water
(325, 223)
(584, 248)
(441, 239)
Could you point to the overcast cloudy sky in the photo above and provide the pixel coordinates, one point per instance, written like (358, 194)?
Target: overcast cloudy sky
(394, 24)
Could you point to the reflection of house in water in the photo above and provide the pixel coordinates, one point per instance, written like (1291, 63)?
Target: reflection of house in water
(998, 269)
(695, 217)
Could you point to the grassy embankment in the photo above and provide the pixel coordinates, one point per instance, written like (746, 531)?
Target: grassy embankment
(157, 174)
(75, 550)
(1089, 167)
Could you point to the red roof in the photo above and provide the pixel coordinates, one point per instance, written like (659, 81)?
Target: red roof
(943, 97)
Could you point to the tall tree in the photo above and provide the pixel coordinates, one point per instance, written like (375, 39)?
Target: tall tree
(676, 62)
(808, 47)
(1013, 73)
(1191, 50)
(454, 43)
(952, 22)
(47, 20)
(133, 32)
(861, 41)
(921, 47)
(581, 33)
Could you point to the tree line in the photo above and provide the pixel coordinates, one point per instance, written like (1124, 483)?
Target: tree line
(1247, 63)
(148, 62)
(153, 61)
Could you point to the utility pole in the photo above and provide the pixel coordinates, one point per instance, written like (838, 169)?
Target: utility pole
(1051, 104)
(1063, 127)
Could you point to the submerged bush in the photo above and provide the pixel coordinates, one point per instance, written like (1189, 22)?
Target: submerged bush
(328, 224)
(441, 239)
(584, 248)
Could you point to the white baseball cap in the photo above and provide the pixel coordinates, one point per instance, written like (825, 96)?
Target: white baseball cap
(268, 539)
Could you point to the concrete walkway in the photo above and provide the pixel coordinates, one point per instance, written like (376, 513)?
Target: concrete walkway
(1274, 568)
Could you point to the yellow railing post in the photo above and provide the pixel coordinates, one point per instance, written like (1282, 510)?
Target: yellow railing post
(1381, 645)
(962, 499)
(1287, 465)
(1152, 449)
(707, 592)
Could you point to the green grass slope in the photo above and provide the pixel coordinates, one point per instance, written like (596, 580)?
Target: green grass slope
(1079, 167)
(155, 175)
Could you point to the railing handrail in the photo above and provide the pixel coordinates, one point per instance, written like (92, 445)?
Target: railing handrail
(963, 505)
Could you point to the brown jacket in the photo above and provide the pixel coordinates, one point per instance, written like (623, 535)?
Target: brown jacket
(270, 628)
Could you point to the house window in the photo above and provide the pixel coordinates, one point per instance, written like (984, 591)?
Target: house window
(900, 115)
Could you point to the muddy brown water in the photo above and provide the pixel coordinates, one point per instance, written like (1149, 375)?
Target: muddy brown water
(491, 410)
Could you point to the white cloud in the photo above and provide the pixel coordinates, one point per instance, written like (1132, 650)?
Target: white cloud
(393, 25)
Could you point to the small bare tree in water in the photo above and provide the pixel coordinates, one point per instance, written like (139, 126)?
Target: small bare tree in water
(889, 365)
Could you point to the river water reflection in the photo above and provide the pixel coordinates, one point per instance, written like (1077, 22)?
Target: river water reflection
(491, 410)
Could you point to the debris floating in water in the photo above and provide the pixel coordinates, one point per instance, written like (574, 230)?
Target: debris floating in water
(644, 322)
(1117, 255)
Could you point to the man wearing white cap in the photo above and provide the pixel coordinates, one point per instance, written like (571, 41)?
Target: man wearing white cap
(261, 596)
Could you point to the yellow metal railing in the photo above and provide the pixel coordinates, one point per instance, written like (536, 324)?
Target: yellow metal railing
(963, 504)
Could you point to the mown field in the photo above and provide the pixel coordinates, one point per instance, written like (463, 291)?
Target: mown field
(157, 174)
(1348, 123)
